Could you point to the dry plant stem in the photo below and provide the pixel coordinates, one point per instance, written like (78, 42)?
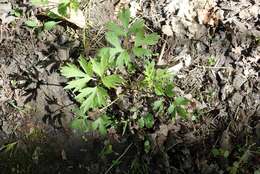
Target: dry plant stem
(104, 108)
(121, 156)
(160, 61)
(213, 67)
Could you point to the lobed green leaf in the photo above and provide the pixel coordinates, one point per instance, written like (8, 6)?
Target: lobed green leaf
(112, 81)
(71, 70)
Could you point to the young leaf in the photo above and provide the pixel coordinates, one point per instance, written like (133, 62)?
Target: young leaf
(113, 39)
(169, 90)
(148, 120)
(147, 146)
(158, 105)
(151, 39)
(49, 25)
(182, 112)
(78, 84)
(113, 27)
(85, 65)
(158, 88)
(137, 26)
(124, 17)
(141, 122)
(171, 109)
(112, 81)
(100, 67)
(139, 39)
(123, 59)
(181, 101)
(31, 23)
(92, 98)
(71, 70)
(141, 52)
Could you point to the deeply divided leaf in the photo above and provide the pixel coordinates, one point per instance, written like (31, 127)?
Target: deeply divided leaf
(92, 97)
(123, 59)
(78, 84)
(115, 28)
(137, 26)
(71, 70)
(86, 66)
(113, 39)
(124, 17)
(112, 81)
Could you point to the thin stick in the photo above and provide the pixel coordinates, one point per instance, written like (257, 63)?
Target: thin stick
(121, 156)
(161, 54)
(102, 109)
(213, 67)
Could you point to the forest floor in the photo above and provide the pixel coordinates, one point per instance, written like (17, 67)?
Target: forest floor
(213, 48)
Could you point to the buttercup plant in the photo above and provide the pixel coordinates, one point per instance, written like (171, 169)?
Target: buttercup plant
(96, 80)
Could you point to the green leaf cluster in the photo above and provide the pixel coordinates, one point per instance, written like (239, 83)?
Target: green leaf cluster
(96, 96)
(95, 80)
(81, 123)
(123, 50)
(33, 23)
(178, 107)
(158, 80)
(146, 121)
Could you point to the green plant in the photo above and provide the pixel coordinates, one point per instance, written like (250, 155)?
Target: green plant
(97, 79)
(220, 152)
(35, 24)
(64, 6)
(211, 61)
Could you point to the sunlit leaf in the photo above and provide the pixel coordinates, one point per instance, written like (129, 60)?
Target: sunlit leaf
(151, 39)
(112, 81)
(86, 65)
(123, 59)
(92, 97)
(78, 84)
(158, 105)
(141, 52)
(49, 25)
(71, 70)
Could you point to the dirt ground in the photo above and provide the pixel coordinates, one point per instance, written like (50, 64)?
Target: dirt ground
(214, 50)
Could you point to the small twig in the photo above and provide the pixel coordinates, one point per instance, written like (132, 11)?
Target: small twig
(161, 54)
(119, 158)
(102, 109)
(213, 67)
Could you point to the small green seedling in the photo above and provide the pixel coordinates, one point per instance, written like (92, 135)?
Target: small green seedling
(211, 61)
